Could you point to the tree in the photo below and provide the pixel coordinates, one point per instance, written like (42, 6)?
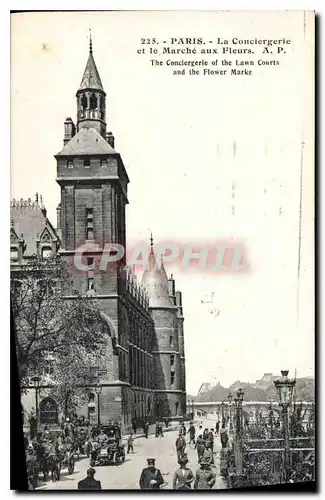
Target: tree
(51, 318)
(74, 373)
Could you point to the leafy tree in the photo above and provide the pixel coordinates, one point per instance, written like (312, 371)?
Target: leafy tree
(51, 318)
(73, 373)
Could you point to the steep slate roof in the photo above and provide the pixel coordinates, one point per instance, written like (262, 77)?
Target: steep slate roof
(91, 78)
(87, 142)
(28, 218)
(155, 281)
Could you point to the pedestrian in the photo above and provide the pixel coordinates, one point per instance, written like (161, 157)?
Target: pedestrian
(161, 430)
(224, 437)
(151, 478)
(89, 483)
(183, 429)
(146, 428)
(204, 478)
(200, 446)
(207, 453)
(191, 432)
(31, 468)
(183, 477)
(211, 438)
(217, 427)
(130, 443)
(200, 430)
(180, 446)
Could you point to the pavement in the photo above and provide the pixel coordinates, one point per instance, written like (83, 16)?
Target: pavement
(126, 476)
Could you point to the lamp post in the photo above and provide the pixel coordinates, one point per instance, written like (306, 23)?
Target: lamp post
(36, 381)
(98, 390)
(285, 387)
(230, 414)
(222, 413)
(240, 395)
(192, 416)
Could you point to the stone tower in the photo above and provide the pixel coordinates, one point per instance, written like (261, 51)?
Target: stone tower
(93, 183)
(168, 351)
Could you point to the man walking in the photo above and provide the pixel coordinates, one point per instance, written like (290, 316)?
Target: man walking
(191, 432)
(151, 478)
(217, 427)
(146, 428)
(183, 477)
(200, 446)
(180, 446)
(89, 483)
(130, 443)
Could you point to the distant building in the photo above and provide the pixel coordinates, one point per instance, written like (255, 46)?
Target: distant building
(266, 380)
(205, 387)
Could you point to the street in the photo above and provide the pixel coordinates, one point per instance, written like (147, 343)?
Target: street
(126, 476)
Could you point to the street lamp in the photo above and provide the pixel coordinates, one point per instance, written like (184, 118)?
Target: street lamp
(230, 415)
(36, 381)
(285, 387)
(222, 413)
(98, 390)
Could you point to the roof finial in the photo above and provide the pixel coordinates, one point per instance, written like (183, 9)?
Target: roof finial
(90, 42)
(36, 198)
(151, 241)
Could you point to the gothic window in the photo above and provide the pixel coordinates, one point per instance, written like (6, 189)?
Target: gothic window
(48, 411)
(93, 101)
(172, 378)
(84, 102)
(13, 253)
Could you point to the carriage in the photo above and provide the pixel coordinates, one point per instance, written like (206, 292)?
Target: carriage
(112, 451)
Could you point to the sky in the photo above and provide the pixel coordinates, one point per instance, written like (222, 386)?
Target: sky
(209, 159)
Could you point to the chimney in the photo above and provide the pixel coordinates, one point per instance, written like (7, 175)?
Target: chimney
(69, 130)
(110, 139)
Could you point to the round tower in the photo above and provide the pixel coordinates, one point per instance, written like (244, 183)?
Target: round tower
(166, 355)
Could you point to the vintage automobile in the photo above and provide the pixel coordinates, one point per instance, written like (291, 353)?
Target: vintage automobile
(110, 452)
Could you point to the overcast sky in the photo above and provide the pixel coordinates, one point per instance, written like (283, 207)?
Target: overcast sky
(189, 143)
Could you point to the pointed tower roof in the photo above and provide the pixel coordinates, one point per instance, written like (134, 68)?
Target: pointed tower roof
(91, 78)
(155, 281)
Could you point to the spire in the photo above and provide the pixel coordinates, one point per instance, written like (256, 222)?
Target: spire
(90, 42)
(151, 243)
(91, 78)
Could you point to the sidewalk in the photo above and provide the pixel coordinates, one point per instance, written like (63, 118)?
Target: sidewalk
(152, 431)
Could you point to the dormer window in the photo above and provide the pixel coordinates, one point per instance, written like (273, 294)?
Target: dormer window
(14, 254)
(70, 163)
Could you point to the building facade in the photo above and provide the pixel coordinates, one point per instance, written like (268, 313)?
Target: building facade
(142, 368)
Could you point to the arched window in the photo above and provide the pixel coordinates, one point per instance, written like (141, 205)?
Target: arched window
(93, 101)
(84, 102)
(48, 411)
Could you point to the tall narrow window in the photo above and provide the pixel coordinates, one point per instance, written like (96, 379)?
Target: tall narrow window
(172, 378)
(70, 163)
(172, 360)
(87, 162)
(171, 341)
(89, 224)
(14, 254)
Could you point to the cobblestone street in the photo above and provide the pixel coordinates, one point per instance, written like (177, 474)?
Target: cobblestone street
(126, 476)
